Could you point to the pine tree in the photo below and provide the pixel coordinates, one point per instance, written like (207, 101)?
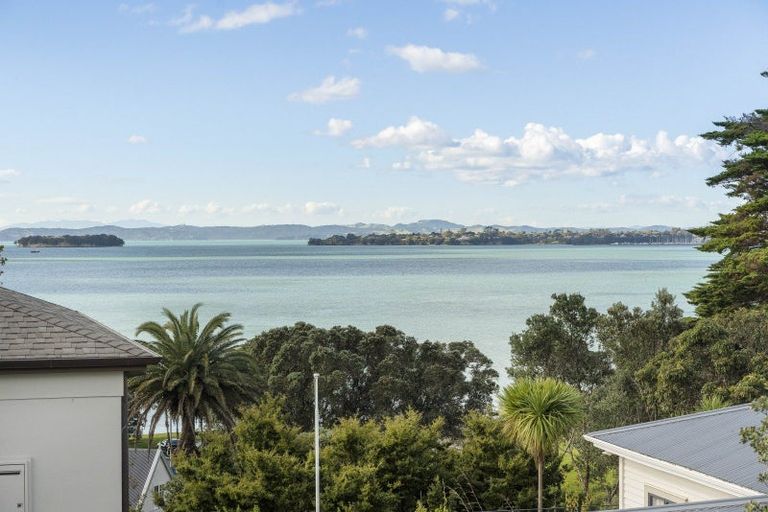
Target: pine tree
(740, 278)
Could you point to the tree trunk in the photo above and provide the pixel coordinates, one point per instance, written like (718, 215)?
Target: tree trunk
(187, 440)
(540, 471)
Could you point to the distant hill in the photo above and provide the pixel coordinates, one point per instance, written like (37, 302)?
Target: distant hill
(79, 224)
(272, 232)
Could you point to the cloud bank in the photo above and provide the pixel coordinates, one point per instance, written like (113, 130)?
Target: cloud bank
(540, 153)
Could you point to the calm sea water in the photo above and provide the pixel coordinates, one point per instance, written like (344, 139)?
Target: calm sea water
(481, 294)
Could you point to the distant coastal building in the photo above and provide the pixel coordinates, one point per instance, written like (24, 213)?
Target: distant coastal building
(63, 444)
(692, 462)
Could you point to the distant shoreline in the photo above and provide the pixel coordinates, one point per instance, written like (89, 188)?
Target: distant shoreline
(493, 236)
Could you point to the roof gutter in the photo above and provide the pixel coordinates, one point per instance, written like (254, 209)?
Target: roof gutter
(674, 469)
(53, 364)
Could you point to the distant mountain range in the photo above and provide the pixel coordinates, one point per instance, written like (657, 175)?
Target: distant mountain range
(142, 230)
(79, 224)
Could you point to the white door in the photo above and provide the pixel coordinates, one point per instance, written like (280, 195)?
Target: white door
(12, 488)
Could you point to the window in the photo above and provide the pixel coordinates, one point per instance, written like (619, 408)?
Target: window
(656, 501)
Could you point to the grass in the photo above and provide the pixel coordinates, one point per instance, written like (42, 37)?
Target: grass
(143, 442)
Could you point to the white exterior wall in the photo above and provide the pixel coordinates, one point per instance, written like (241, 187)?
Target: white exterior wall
(159, 477)
(67, 424)
(636, 480)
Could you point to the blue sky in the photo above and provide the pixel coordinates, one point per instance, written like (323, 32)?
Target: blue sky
(476, 111)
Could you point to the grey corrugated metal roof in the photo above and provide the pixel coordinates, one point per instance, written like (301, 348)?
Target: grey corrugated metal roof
(34, 330)
(139, 465)
(724, 505)
(707, 442)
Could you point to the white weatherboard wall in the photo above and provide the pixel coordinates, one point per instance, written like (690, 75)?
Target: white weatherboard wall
(67, 424)
(160, 476)
(637, 480)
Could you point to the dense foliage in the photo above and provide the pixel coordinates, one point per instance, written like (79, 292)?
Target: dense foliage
(70, 241)
(401, 464)
(740, 278)
(372, 375)
(3, 259)
(603, 355)
(203, 374)
(494, 236)
(721, 357)
(560, 345)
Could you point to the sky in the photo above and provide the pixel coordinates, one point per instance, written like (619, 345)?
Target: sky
(549, 113)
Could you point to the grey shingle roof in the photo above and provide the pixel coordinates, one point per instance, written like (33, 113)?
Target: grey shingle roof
(724, 505)
(707, 442)
(35, 333)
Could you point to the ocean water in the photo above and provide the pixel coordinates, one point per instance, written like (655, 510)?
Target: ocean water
(441, 293)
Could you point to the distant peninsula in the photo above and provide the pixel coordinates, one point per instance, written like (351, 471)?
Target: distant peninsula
(494, 236)
(102, 240)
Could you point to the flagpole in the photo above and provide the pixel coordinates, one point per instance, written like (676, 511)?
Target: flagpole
(317, 447)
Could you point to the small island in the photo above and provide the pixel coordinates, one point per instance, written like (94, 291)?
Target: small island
(37, 241)
(494, 236)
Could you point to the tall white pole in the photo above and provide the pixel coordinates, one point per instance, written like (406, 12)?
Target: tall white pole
(317, 447)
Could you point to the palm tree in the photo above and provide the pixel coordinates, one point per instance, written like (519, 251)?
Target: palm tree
(538, 414)
(203, 374)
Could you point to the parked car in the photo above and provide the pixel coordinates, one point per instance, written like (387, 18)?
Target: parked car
(168, 448)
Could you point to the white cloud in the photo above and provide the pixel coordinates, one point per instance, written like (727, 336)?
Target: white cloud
(540, 153)
(211, 208)
(451, 14)
(424, 59)
(458, 9)
(668, 201)
(267, 208)
(329, 89)
(7, 174)
(358, 32)
(336, 127)
(144, 206)
(395, 213)
(402, 166)
(147, 8)
(67, 204)
(255, 14)
(321, 208)
(416, 132)
(137, 139)
(586, 54)
(365, 163)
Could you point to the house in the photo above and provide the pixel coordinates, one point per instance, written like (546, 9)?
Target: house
(63, 444)
(697, 459)
(147, 470)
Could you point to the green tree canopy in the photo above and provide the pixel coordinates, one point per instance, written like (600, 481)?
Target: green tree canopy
(372, 375)
(721, 357)
(265, 465)
(632, 338)
(491, 472)
(740, 278)
(561, 344)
